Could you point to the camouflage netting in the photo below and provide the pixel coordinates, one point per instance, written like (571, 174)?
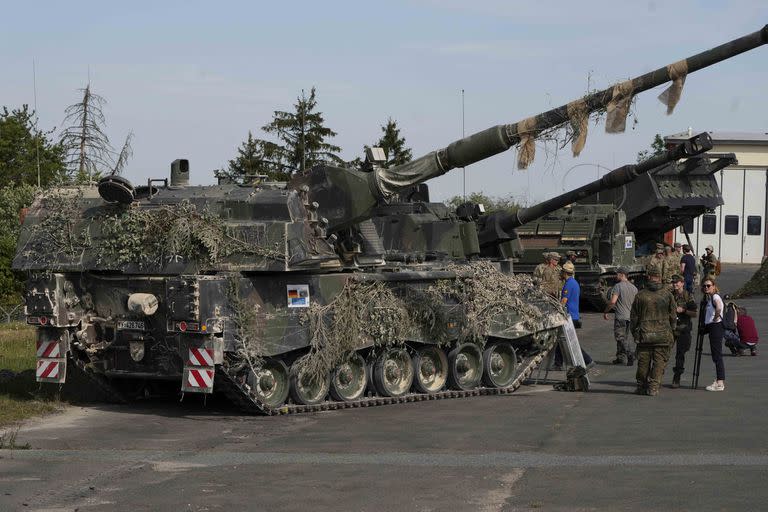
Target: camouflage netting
(244, 316)
(757, 285)
(376, 314)
(151, 237)
(58, 232)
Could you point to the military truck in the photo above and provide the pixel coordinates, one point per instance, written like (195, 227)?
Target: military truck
(264, 292)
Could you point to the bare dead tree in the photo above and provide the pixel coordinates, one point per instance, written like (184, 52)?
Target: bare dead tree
(124, 155)
(88, 151)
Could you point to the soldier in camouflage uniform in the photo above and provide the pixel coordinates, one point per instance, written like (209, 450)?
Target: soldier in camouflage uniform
(656, 262)
(685, 307)
(678, 254)
(538, 272)
(709, 264)
(652, 322)
(671, 266)
(547, 275)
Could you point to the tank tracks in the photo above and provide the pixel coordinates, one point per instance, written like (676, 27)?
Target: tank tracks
(245, 400)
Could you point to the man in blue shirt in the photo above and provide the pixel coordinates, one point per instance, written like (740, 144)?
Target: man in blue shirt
(569, 297)
(570, 293)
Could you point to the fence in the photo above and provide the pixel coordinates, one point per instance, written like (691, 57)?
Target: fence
(12, 313)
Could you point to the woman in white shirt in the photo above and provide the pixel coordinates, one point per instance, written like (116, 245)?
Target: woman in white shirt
(713, 323)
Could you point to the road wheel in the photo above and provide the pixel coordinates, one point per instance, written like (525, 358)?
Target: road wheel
(465, 366)
(349, 379)
(500, 362)
(270, 382)
(308, 389)
(430, 365)
(393, 372)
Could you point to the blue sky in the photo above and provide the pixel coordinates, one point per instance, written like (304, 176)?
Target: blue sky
(191, 78)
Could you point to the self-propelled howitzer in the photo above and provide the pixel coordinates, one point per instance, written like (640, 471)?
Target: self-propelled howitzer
(249, 289)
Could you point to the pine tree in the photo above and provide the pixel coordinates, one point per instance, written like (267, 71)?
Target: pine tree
(256, 157)
(393, 144)
(657, 147)
(303, 136)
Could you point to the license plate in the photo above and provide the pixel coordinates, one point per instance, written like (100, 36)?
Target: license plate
(132, 325)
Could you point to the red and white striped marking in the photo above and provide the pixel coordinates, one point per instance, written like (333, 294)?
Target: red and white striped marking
(48, 348)
(200, 379)
(200, 356)
(48, 369)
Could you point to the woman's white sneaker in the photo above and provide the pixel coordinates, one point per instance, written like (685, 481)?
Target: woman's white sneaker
(715, 387)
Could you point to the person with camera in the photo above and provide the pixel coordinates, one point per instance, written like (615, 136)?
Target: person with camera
(685, 307)
(713, 326)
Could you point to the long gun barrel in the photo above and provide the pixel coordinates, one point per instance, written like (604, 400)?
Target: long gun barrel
(500, 138)
(347, 196)
(616, 178)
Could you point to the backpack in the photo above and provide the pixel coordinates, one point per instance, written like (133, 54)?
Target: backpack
(730, 316)
(718, 268)
(730, 331)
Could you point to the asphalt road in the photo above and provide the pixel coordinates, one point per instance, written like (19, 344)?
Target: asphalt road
(537, 449)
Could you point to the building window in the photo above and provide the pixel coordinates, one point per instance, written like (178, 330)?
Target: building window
(731, 225)
(708, 224)
(687, 227)
(754, 226)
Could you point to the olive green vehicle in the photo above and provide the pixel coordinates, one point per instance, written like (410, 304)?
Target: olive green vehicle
(278, 295)
(667, 197)
(416, 230)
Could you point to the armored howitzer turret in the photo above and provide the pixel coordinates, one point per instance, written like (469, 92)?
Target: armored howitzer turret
(257, 290)
(500, 223)
(667, 197)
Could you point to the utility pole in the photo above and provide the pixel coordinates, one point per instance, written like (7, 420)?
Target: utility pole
(463, 134)
(37, 138)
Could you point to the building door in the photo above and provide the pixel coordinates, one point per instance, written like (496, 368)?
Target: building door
(730, 227)
(753, 231)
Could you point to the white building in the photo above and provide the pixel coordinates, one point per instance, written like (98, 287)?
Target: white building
(736, 229)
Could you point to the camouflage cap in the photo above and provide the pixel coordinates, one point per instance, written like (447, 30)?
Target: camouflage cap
(667, 248)
(678, 244)
(568, 268)
(709, 248)
(659, 246)
(554, 255)
(622, 270)
(677, 277)
(570, 253)
(659, 250)
(654, 272)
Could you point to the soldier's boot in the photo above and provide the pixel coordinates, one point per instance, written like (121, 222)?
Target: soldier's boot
(640, 390)
(652, 391)
(676, 381)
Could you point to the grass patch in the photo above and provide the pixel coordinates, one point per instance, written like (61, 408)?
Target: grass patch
(17, 347)
(21, 396)
(758, 285)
